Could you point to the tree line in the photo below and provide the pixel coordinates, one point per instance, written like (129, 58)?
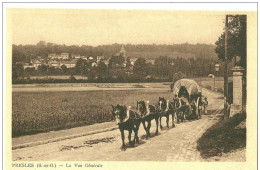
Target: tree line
(24, 53)
(164, 68)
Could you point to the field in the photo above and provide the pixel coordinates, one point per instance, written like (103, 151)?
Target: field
(46, 107)
(46, 111)
(208, 83)
(57, 77)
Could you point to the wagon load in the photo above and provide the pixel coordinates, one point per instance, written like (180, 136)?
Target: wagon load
(189, 92)
(186, 88)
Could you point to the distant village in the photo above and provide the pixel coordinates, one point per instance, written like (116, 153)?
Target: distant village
(58, 60)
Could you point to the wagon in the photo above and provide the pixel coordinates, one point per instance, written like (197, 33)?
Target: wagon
(190, 93)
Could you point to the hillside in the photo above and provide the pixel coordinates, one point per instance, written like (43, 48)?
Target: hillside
(27, 52)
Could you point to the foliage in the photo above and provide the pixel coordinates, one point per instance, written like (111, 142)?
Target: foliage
(128, 62)
(116, 61)
(64, 69)
(17, 71)
(102, 70)
(236, 39)
(164, 68)
(72, 79)
(42, 69)
(148, 51)
(140, 67)
(82, 67)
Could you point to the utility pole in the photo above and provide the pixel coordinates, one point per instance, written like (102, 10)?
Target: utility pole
(226, 116)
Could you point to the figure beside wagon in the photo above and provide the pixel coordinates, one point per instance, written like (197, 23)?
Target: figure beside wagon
(187, 103)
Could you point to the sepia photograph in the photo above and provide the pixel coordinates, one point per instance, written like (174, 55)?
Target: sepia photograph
(120, 85)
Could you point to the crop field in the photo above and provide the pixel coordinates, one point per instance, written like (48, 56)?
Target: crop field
(46, 111)
(207, 82)
(46, 107)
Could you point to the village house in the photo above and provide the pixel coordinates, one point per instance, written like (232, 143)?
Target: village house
(84, 57)
(69, 64)
(51, 56)
(106, 62)
(75, 56)
(94, 64)
(36, 63)
(26, 65)
(63, 56)
(151, 61)
(100, 58)
(54, 63)
(133, 60)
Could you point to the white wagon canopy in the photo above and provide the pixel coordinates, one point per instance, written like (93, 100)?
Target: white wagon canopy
(186, 88)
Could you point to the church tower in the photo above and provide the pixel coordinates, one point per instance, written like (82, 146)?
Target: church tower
(122, 51)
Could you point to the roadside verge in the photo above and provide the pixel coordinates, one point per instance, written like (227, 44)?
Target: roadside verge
(55, 136)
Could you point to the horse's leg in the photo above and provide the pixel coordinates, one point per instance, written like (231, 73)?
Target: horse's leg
(129, 137)
(145, 128)
(167, 119)
(157, 124)
(161, 121)
(122, 137)
(173, 115)
(148, 128)
(136, 133)
(177, 116)
(182, 116)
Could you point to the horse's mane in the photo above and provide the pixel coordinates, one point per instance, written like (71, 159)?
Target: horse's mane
(120, 107)
(142, 103)
(164, 102)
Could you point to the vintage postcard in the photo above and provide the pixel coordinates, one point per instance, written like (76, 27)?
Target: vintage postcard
(117, 87)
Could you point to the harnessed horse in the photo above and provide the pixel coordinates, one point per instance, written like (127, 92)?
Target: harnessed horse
(166, 108)
(148, 113)
(129, 120)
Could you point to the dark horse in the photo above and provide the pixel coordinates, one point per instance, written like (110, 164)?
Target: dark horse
(166, 108)
(127, 120)
(148, 113)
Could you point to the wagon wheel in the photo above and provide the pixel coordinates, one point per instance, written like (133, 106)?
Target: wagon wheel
(175, 118)
(197, 108)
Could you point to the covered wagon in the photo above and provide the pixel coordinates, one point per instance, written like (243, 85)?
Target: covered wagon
(190, 93)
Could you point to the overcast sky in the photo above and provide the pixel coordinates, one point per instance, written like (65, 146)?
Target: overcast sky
(98, 27)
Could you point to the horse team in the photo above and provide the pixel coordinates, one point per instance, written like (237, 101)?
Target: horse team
(130, 119)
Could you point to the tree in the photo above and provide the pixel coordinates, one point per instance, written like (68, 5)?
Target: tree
(17, 71)
(42, 69)
(81, 67)
(128, 62)
(116, 61)
(236, 40)
(29, 71)
(64, 69)
(140, 67)
(52, 70)
(162, 66)
(101, 70)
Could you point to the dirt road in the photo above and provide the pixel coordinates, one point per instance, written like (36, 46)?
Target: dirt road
(173, 144)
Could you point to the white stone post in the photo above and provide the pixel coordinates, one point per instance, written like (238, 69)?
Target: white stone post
(236, 107)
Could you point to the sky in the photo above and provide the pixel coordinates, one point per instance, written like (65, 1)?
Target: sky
(101, 27)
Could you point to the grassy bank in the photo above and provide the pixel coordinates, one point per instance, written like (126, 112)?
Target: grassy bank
(223, 137)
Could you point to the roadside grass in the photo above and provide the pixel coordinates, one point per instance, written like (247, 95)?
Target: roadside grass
(223, 137)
